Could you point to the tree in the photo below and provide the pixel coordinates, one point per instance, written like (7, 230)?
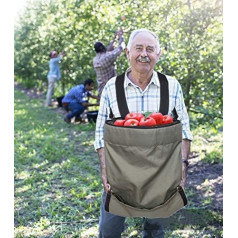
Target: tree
(190, 33)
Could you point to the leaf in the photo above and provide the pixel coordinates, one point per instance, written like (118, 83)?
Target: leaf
(147, 114)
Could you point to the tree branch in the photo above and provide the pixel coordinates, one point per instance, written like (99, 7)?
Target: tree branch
(205, 113)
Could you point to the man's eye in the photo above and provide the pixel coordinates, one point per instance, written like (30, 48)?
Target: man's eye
(150, 50)
(138, 48)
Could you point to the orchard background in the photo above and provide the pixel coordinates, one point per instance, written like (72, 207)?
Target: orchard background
(56, 170)
(190, 33)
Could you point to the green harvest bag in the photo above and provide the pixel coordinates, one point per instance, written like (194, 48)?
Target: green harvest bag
(144, 164)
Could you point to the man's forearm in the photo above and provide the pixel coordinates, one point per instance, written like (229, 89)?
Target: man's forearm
(185, 154)
(110, 47)
(185, 148)
(101, 156)
(90, 104)
(94, 97)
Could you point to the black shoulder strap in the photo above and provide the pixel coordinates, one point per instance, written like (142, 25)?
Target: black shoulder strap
(175, 115)
(164, 94)
(111, 115)
(121, 97)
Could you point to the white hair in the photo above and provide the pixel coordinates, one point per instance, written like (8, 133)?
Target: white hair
(135, 32)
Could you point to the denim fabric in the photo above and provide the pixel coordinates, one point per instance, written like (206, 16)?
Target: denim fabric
(112, 226)
(76, 110)
(153, 228)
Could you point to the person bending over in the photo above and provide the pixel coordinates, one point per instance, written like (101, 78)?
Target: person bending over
(76, 100)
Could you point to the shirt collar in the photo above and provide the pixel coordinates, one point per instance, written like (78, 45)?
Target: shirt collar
(154, 79)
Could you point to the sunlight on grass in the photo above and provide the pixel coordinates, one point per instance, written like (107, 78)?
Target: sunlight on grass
(192, 232)
(133, 233)
(208, 144)
(36, 166)
(22, 175)
(208, 186)
(88, 143)
(90, 232)
(36, 229)
(20, 112)
(23, 189)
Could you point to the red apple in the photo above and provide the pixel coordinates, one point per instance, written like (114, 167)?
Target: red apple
(134, 115)
(148, 121)
(157, 116)
(119, 122)
(131, 122)
(167, 119)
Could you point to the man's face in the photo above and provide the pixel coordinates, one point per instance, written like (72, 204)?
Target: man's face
(89, 87)
(143, 53)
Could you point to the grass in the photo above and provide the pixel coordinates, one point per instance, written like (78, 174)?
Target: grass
(208, 144)
(58, 185)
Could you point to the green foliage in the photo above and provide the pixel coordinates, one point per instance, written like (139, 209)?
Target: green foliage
(190, 34)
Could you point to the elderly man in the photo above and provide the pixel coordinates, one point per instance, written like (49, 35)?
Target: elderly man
(142, 91)
(104, 61)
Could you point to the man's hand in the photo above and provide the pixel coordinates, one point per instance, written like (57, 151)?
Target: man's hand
(63, 53)
(101, 156)
(119, 32)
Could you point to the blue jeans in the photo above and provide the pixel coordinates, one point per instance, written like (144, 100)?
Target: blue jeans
(111, 226)
(76, 109)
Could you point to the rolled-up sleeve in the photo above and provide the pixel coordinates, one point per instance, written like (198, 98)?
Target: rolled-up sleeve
(112, 55)
(57, 59)
(101, 119)
(182, 113)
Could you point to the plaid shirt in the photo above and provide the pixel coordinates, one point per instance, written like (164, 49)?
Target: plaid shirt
(104, 66)
(141, 101)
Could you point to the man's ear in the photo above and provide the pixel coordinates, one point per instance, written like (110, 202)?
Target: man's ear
(159, 55)
(127, 53)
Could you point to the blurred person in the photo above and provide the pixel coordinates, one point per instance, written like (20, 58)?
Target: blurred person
(53, 75)
(76, 100)
(104, 61)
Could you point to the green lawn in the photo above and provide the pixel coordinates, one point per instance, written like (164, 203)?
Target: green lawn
(58, 186)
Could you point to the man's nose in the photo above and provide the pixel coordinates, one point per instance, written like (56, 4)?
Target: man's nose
(143, 53)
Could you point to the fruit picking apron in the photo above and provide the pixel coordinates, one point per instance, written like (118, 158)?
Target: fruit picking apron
(144, 164)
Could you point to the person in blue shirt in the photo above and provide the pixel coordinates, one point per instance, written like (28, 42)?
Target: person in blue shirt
(76, 100)
(54, 74)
